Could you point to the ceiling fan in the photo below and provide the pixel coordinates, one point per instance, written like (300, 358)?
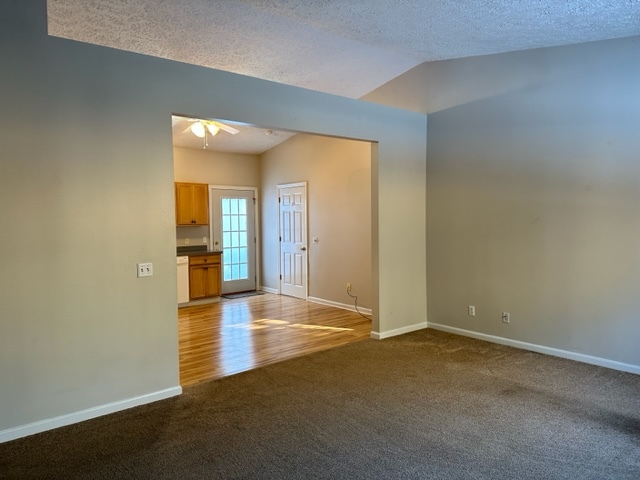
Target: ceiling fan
(200, 127)
(204, 128)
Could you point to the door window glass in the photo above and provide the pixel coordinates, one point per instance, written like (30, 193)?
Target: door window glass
(234, 239)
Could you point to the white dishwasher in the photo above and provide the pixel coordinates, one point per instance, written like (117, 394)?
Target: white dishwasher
(183, 280)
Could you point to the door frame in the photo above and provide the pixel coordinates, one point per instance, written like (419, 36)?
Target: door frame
(256, 221)
(306, 225)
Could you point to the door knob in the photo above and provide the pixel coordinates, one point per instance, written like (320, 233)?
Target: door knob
(303, 248)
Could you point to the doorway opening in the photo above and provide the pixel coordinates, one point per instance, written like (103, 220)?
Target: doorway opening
(327, 217)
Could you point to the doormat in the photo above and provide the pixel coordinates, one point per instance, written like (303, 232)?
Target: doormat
(241, 294)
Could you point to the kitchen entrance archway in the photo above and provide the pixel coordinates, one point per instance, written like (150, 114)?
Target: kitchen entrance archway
(339, 180)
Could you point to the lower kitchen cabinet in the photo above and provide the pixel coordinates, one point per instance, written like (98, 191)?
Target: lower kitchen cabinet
(205, 278)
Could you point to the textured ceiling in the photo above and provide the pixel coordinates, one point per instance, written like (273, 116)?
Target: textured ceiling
(343, 47)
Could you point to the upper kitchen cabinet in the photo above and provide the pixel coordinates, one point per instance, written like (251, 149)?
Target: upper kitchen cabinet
(192, 204)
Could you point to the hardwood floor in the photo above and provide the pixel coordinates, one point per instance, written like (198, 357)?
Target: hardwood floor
(232, 336)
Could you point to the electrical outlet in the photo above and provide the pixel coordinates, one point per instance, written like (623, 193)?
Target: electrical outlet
(145, 269)
(506, 318)
(472, 311)
(348, 287)
(186, 241)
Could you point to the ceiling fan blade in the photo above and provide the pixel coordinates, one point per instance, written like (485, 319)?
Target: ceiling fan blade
(187, 129)
(226, 128)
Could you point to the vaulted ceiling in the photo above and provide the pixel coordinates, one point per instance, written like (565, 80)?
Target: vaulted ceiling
(342, 47)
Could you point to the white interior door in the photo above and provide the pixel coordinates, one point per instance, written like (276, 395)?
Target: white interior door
(233, 233)
(293, 239)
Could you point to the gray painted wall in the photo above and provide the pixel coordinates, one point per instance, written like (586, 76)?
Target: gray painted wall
(533, 199)
(86, 190)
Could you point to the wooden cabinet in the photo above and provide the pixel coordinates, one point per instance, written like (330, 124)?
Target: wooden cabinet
(205, 278)
(192, 204)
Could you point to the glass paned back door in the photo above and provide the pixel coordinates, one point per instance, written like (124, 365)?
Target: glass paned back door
(234, 238)
(233, 234)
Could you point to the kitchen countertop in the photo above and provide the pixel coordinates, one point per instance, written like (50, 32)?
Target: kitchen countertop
(195, 254)
(193, 250)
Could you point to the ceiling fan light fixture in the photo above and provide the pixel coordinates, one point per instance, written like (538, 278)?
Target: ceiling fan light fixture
(213, 129)
(198, 129)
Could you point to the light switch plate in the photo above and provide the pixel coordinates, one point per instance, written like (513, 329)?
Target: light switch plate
(145, 269)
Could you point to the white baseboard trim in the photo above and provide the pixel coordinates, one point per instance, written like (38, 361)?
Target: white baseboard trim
(269, 290)
(76, 417)
(556, 352)
(344, 306)
(398, 331)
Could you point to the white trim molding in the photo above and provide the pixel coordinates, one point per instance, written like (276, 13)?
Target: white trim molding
(344, 306)
(398, 331)
(269, 290)
(556, 352)
(76, 417)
